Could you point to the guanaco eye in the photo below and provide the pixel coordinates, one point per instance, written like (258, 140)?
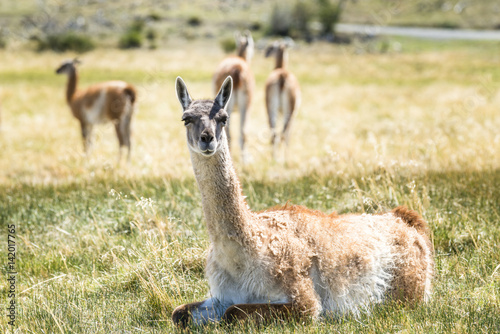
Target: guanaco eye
(187, 120)
(223, 120)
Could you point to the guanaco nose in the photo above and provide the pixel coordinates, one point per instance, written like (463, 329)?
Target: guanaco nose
(207, 137)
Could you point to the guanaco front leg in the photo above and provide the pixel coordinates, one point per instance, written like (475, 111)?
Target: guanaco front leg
(243, 106)
(199, 313)
(260, 312)
(87, 137)
(123, 133)
(213, 310)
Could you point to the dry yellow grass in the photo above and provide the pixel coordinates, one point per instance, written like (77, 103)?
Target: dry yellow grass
(431, 110)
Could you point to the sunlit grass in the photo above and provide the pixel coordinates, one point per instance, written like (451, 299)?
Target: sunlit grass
(106, 248)
(356, 109)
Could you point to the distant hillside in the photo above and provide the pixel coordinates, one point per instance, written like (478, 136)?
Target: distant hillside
(106, 20)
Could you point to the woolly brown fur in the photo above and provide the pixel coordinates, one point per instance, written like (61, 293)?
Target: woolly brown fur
(320, 263)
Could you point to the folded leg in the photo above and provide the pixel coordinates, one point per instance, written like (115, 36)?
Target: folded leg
(260, 312)
(199, 313)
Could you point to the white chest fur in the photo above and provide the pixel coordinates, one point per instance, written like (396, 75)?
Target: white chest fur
(238, 277)
(95, 113)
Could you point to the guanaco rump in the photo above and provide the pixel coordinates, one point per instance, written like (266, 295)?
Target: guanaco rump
(282, 94)
(111, 101)
(292, 260)
(238, 67)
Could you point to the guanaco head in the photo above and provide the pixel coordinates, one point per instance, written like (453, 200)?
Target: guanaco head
(68, 66)
(278, 49)
(244, 45)
(205, 119)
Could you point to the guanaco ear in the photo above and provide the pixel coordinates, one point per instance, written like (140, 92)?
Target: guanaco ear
(225, 91)
(250, 44)
(237, 38)
(248, 35)
(182, 93)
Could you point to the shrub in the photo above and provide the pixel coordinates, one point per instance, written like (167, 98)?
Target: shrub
(194, 21)
(302, 15)
(447, 25)
(137, 26)
(255, 26)
(154, 17)
(281, 20)
(296, 21)
(328, 15)
(3, 39)
(69, 41)
(151, 37)
(132, 38)
(228, 44)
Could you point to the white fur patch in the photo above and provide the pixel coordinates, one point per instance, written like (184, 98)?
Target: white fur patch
(117, 84)
(95, 114)
(357, 297)
(211, 310)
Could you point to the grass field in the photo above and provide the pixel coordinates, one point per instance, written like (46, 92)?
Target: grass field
(113, 249)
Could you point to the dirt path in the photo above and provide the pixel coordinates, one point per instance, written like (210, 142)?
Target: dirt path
(427, 33)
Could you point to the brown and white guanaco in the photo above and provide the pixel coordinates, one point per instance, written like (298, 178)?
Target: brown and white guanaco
(110, 101)
(282, 94)
(290, 259)
(238, 68)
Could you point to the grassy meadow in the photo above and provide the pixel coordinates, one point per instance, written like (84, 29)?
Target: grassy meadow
(104, 248)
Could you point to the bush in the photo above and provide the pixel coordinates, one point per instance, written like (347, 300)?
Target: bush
(70, 41)
(281, 20)
(447, 25)
(295, 21)
(194, 21)
(132, 38)
(255, 26)
(302, 15)
(228, 44)
(3, 39)
(329, 15)
(154, 17)
(137, 26)
(151, 37)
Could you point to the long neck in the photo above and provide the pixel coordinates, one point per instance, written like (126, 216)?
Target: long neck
(226, 212)
(244, 53)
(281, 58)
(72, 83)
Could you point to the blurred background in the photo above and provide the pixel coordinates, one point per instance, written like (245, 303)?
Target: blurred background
(400, 106)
